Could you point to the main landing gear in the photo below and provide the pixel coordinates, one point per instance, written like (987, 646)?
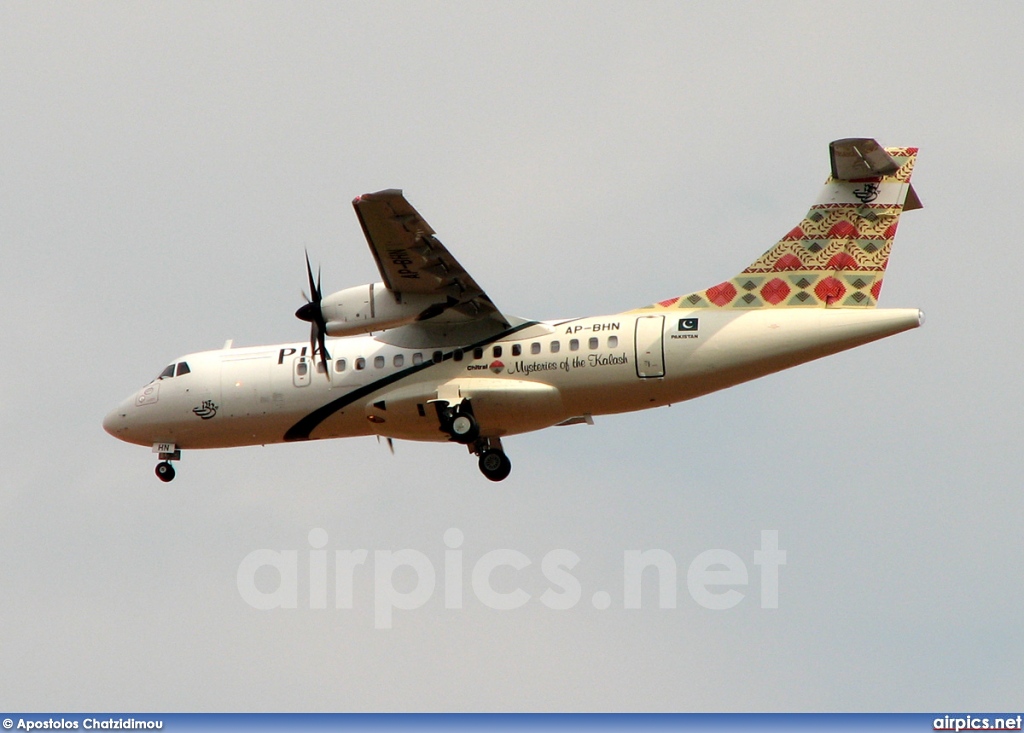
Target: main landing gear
(494, 464)
(459, 422)
(166, 452)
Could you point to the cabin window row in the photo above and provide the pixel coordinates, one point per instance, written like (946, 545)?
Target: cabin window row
(554, 347)
(398, 360)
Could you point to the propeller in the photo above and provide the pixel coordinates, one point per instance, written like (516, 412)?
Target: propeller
(391, 444)
(314, 315)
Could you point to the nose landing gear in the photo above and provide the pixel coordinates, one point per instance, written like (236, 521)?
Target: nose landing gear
(166, 452)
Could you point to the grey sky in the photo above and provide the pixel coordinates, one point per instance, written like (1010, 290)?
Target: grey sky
(162, 167)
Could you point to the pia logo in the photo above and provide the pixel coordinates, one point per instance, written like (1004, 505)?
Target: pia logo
(206, 410)
(496, 366)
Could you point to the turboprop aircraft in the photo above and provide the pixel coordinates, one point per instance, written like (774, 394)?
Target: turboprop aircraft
(426, 355)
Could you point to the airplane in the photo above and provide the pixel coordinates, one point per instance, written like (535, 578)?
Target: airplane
(426, 355)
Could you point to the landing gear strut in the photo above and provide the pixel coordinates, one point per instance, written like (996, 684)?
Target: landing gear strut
(494, 464)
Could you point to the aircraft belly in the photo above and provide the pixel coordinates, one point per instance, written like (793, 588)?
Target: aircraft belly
(501, 406)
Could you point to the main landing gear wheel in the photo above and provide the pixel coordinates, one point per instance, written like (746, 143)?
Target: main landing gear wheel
(464, 428)
(458, 421)
(495, 465)
(165, 471)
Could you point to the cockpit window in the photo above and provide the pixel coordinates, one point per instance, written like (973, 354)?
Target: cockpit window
(183, 368)
(167, 373)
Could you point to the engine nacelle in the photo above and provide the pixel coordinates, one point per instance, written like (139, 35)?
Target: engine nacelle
(373, 307)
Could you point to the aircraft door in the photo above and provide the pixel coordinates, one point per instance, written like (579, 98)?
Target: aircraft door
(650, 346)
(245, 385)
(301, 369)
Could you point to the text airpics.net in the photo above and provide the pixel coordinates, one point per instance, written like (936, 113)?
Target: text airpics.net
(714, 578)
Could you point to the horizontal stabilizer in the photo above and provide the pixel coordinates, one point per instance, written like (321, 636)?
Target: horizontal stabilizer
(860, 157)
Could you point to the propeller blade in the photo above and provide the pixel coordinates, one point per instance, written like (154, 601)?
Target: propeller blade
(324, 354)
(314, 315)
(309, 273)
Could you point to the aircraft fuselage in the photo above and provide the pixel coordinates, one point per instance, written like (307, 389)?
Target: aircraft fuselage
(532, 376)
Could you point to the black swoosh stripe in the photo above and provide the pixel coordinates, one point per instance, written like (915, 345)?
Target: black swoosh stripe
(302, 429)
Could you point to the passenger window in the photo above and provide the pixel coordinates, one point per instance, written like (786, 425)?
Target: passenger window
(457, 355)
(574, 344)
(302, 369)
(378, 362)
(555, 347)
(183, 368)
(613, 342)
(360, 363)
(339, 366)
(321, 368)
(438, 356)
(417, 358)
(516, 349)
(478, 353)
(167, 373)
(497, 352)
(593, 343)
(399, 360)
(535, 348)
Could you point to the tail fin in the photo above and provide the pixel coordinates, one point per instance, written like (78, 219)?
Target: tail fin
(835, 257)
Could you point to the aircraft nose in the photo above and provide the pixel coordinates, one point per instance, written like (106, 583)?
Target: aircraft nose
(116, 421)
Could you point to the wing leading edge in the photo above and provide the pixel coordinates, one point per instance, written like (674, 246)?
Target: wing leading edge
(412, 260)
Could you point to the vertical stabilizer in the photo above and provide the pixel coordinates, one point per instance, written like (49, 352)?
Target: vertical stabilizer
(836, 257)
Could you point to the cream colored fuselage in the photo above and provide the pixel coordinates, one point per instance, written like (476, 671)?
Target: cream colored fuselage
(534, 376)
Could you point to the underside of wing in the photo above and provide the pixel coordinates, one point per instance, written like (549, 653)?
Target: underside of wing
(411, 260)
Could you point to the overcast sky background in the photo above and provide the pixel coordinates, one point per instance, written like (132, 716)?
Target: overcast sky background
(162, 168)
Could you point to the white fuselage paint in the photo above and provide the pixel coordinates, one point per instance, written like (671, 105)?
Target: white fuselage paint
(259, 395)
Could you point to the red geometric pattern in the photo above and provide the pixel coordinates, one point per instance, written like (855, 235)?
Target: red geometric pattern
(788, 261)
(829, 290)
(842, 261)
(843, 230)
(835, 257)
(722, 295)
(775, 291)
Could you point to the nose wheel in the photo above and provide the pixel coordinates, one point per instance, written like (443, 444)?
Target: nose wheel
(165, 471)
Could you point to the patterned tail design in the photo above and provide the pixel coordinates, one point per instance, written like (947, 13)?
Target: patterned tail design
(835, 257)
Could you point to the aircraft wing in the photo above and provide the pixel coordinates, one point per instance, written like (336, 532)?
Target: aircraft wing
(412, 260)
